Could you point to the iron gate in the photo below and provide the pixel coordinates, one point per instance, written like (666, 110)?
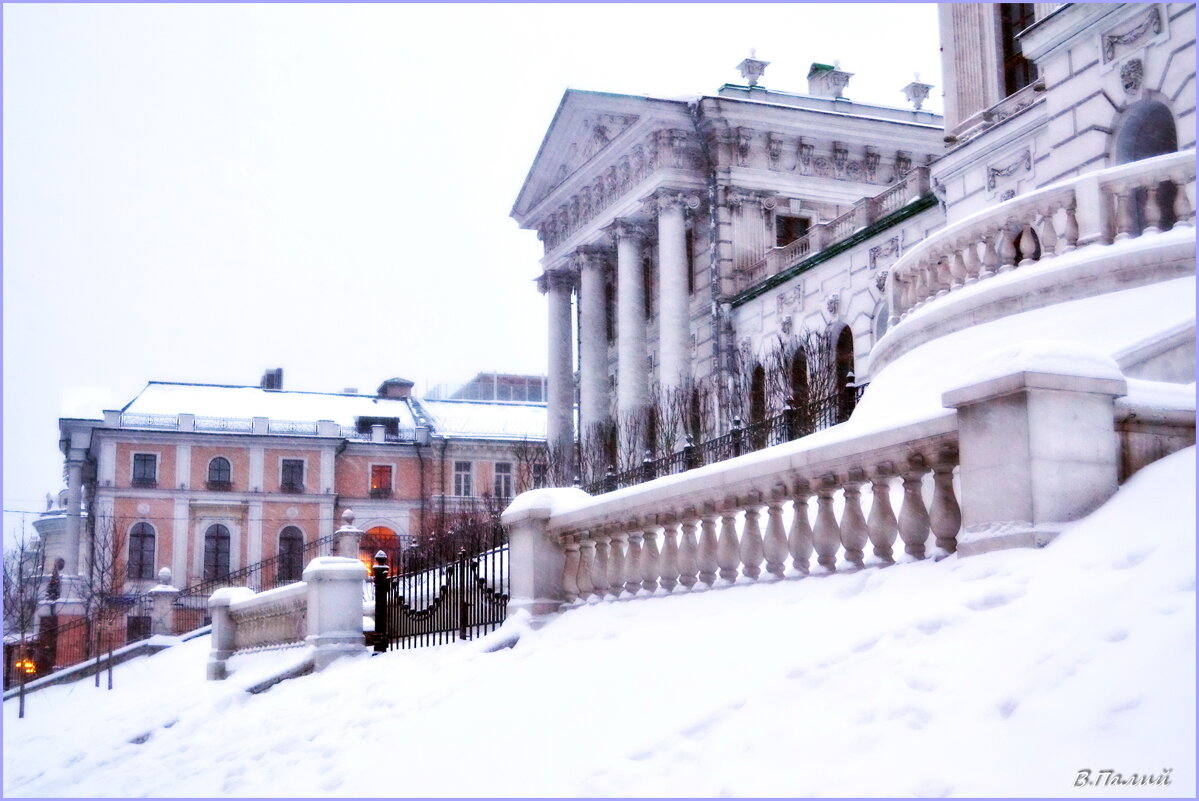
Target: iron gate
(437, 596)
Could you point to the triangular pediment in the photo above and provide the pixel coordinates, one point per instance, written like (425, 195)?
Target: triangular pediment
(585, 126)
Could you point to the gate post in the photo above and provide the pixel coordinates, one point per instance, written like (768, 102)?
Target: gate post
(382, 634)
(462, 605)
(334, 608)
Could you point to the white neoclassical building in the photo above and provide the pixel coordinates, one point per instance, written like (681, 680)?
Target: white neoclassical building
(684, 238)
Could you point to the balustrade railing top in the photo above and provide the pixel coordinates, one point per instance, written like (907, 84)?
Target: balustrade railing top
(1103, 207)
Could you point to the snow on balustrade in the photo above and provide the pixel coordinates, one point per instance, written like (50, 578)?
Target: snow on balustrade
(750, 518)
(276, 618)
(1132, 200)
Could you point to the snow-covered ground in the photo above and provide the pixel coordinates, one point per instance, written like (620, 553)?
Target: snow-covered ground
(1002, 674)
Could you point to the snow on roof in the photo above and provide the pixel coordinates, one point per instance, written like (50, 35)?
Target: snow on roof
(509, 420)
(213, 400)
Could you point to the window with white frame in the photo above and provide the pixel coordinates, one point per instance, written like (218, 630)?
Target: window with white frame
(145, 470)
(503, 480)
(463, 479)
(141, 551)
(291, 475)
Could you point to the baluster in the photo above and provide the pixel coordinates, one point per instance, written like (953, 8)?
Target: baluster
(901, 299)
(586, 564)
(727, 550)
(882, 524)
(752, 550)
(1153, 209)
(799, 540)
(599, 574)
(1049, 244)
(1028, 245)
(668, 565)
(1182, 204)
(945, 517)
(1125, 220)
(970, 258)
(944, 268)
(990, 257)
(1070, 232)
(708, 545)
(957, 267)
(632, 563)
(616, 563)
(774, 546)
(854, 534)
(1006, 249)
(650, 557)
(570, 571)
(913, 517)
(918, 288)
(826, 534)
(688, 550)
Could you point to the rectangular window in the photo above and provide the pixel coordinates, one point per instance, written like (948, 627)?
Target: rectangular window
(463, 484)
(291, 475)
(540, 475)
(503, 480)
(1018, 71)
(380, 481)
(145, 470)
(788, 229)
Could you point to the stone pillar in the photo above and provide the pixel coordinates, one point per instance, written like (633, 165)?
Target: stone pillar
(162, 600)
(673, 297)
(560, 394)
(536, 559)
(74, 521)
(632, 380)
(1037, 449)
(593, 340)
(334, 608)
(224, 629)
(348, 536)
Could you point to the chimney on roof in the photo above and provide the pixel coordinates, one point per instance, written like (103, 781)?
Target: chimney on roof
(395, 388)
(827, 81)
(272, 379)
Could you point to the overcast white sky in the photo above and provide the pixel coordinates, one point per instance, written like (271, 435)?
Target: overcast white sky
(197, 193)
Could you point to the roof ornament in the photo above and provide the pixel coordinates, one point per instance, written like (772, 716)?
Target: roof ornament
(752, 68)
(917, 92)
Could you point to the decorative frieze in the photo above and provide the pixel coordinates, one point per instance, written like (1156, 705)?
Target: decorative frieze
(1022, 161)
(1149, 24)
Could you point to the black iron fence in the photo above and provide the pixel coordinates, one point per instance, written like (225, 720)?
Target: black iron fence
(452, 587)
(792, 423)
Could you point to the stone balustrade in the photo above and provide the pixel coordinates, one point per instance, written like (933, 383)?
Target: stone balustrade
(1132, 200)
(276, 618)
(755, 518)
(324, 611)
(865, 212)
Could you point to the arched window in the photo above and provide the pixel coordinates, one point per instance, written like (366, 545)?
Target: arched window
(1148, 130)
(380, 538)
(291, 554)
(216, 552)
(847, 393)
(220, 473)
(757, 394)
(141, 551)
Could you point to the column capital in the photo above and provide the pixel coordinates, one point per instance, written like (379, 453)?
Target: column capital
(735, 198)
(628, 228)
(561, 277)
(665, 199)
(592, 257)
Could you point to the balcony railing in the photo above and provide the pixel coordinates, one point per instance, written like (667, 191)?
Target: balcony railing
(219, 486)
(381, 492)
(144, 483)
(291, 487)
(135, 420)
(914, 185)
(1129, 201)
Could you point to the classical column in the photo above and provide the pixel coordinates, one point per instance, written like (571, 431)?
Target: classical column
(673, 297)
(632, 380)
(74, 496)
(557, 284)
(593, 339)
